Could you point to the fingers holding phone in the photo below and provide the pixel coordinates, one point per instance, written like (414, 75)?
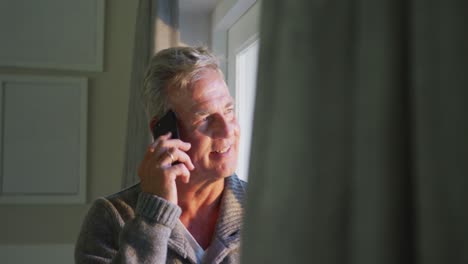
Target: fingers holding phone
(174, 150)
(165, 160)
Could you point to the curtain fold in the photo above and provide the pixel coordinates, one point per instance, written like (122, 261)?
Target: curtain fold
(156, 28)
(360, 141)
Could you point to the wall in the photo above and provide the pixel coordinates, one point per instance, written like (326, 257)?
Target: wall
(37, 226)
(195, 28)
(223, 16)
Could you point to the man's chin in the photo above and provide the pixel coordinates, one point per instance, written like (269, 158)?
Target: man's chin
(224, 172)
(218, 171)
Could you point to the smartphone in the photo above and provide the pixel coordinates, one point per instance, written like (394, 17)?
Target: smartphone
(168, 123)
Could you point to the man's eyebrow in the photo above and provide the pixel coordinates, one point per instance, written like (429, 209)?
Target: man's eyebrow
(206, 112)
(201, 113)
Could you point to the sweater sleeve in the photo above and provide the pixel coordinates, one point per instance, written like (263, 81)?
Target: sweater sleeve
(143, 239)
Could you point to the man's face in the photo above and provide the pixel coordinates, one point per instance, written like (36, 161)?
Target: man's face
(207, 120)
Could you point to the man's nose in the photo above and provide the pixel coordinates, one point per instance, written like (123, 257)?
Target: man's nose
(223, 127)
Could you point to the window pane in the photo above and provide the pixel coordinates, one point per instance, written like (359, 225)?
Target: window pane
(246, 80)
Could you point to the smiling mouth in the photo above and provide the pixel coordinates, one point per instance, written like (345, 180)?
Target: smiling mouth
(224, 150)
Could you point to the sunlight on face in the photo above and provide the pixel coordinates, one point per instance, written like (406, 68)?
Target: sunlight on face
(207, 120)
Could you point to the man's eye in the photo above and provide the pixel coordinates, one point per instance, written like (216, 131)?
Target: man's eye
(230, 110)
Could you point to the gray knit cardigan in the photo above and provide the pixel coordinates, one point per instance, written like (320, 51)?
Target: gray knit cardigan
(136, 227)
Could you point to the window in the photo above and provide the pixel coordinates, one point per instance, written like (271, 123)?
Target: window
(246, 82)
(235, 37)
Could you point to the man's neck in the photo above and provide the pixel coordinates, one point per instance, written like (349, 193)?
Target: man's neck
(195, 197)
(200, 204)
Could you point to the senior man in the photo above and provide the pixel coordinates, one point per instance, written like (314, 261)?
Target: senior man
(187, 207)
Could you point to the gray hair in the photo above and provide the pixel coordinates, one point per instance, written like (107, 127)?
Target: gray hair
(173, 68)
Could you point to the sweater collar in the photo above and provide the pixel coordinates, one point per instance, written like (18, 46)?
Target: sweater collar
(232, 208)
(228, 225)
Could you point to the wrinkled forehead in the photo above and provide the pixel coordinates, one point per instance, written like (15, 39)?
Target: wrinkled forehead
(182, 84)
(209, 89)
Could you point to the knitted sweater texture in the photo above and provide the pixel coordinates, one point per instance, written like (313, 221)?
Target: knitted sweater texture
(136, 227)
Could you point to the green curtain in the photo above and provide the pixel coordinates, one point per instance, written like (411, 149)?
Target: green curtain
(360, 142)
(156, 28)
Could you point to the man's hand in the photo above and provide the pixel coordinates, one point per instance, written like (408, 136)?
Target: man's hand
(156, 172)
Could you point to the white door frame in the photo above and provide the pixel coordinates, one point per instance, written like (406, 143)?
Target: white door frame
(224, 15)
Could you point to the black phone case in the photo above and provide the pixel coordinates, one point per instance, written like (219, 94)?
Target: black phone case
(168, 123)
